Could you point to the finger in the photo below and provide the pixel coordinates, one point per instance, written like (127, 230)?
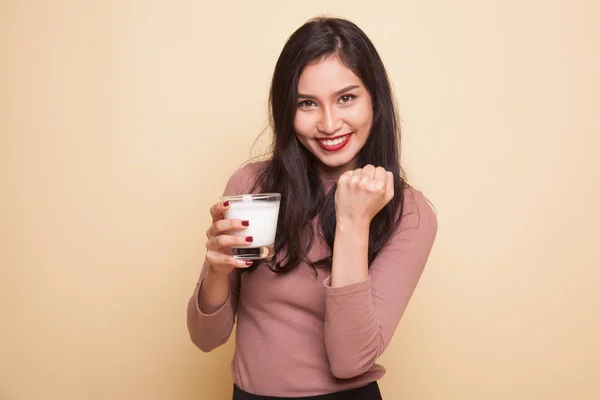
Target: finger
(369, 170)
(366, 182)
(389, 191)
(381, 174)
(217, 210)
(216, 258)
(343, 184)
(345, 177)
(225, 225)
(379, 182)
(372, 185)
(220, 241)
(356, 176)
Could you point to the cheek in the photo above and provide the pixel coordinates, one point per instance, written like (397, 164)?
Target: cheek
(362, 118)
(369, 120)
(302, 126)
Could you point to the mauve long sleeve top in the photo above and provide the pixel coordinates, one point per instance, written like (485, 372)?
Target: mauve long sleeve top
(298, 336)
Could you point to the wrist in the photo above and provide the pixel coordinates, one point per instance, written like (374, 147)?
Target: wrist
(214, 291)
(350, 252)
(352, 233)
(354, 224)
(216, 274)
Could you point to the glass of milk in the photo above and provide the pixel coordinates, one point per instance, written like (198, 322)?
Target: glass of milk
(262, 211)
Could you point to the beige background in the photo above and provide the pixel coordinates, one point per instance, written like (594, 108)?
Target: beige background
(121, 120)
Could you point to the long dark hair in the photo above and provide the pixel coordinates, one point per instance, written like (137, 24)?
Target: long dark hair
(292, 170)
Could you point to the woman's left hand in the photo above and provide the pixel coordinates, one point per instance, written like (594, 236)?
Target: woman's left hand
(362, 193)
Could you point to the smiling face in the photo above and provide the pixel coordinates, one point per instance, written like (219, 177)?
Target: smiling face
(334, 115)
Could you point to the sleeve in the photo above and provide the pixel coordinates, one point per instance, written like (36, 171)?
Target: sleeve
(361, 318)
(209, 331)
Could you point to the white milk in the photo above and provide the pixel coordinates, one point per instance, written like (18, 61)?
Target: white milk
(262, 216)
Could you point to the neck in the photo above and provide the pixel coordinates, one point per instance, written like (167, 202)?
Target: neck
(333, 173)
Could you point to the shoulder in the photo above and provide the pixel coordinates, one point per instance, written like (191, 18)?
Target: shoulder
(412, 240)
(419, 218)
(243, 179)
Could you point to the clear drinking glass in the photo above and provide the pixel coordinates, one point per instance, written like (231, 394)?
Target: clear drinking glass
(262, 211)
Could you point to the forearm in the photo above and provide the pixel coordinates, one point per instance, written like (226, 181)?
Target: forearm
(352, 336)
(214, 291)
(211, 310)
(350, 253)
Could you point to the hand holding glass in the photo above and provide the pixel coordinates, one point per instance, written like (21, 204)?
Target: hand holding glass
(262, 212)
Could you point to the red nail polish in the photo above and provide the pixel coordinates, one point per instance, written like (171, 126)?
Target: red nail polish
(245, 223)
(226, 204)
(249, 263)
(249, 239)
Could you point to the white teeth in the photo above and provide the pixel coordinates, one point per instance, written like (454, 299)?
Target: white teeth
(334, 142)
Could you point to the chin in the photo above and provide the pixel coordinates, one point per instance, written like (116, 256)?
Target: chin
(335, 162)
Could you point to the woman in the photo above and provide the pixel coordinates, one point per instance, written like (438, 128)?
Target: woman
(312, 322)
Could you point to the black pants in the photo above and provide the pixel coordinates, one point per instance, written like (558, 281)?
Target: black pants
(369, 392)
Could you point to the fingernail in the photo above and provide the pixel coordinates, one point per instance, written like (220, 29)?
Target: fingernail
(226, 204)
(249, 239)
(249, 263)
(245, 223)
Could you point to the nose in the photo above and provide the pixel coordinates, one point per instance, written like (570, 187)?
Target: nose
(329, 122)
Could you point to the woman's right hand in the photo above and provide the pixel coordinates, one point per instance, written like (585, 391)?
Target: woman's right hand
(219, 244)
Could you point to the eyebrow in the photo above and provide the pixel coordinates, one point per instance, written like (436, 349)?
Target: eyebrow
(339, 92)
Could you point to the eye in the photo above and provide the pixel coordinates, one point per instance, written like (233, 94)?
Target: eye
(306, 103)
(347, 98)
